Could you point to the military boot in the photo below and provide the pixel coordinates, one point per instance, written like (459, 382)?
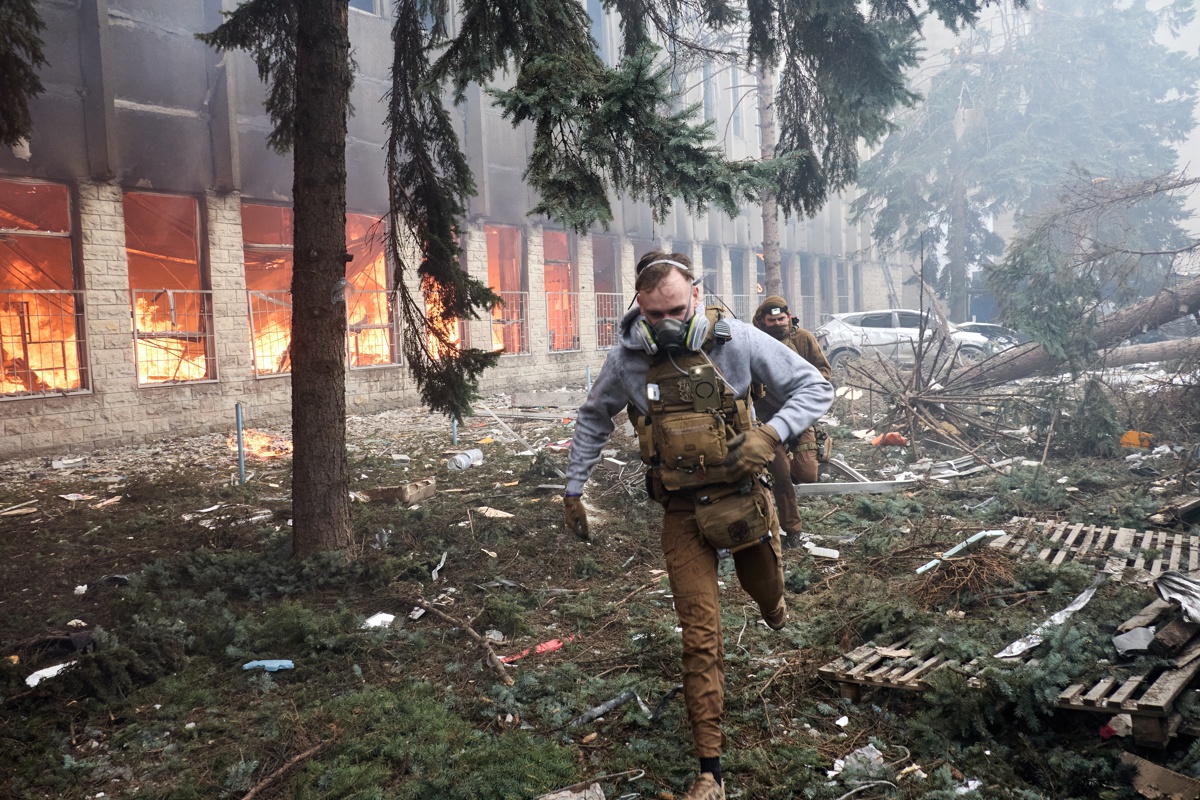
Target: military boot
(705, 788)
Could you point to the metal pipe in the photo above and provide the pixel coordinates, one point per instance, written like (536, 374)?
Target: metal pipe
(454, 430)
(237, 407)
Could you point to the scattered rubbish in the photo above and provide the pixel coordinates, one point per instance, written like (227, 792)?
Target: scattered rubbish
(613, 464)
(76, 496)
(416, 613)
(210, 508)
(889, 652)
(890, 439)
(68, 463)
(380, 620)
(441, 564)
(545, 647)
(493, 513)
(270, 665)
(871, 487)
(578, 791)
(1135, 641)
(493, 635)
(968, 786)
(467, 458)
(821, 552)
(81, 589)
(411, 492)
(1159, 782)
(113, 580)
(1058, 618)
(33, 679)
(608, 705)
(561, 446)
(1176, 586)
(981, 506)
(110, 501)
(20, 508)
(839, 463)
(1137, 440)
(1183, 511)
(1143, 471)
(76, 623)
(865, 759)
(489, 553)
(400, 458)
(842, 722)
(965, 547)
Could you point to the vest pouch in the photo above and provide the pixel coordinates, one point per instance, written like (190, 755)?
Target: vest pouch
(690, 440)
(645, 436)
(824, 444)
(735, 520)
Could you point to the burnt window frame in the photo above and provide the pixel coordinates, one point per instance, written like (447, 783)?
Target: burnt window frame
(78, 286)
(204, 271)
(291, 248)
(396, 344)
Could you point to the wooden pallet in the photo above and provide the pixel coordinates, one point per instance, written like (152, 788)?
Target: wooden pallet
(1118, 549)
(874, 665)
(1148, 699)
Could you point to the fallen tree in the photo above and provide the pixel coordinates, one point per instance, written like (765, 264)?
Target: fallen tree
(1031, 359)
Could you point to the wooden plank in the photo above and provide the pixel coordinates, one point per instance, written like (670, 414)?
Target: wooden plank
(1088, 540)
(863, 666)
(1176, 552)
(1150, 731)
(1054, 538)
(1071, 695)
(1127, 688)
(1139, 561)
(926, 667)
(1160, 545)
(1120, 548)
(1146, 616)
(1066, 546)
(1193, 555)
(1162, 693)
(1096, 696)
(1000, 541)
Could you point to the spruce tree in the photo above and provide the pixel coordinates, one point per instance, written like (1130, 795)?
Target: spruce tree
(20, 56)
(1021, 109)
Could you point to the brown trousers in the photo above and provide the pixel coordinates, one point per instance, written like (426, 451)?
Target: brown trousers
(792, 468)
(692, 569)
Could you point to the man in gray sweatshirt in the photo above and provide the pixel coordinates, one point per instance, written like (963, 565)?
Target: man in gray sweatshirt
(669, 322)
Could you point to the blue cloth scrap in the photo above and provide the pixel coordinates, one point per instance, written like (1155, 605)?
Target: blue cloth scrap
(272, 665)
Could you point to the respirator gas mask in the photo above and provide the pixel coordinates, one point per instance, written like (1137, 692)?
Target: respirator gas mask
(673, 336)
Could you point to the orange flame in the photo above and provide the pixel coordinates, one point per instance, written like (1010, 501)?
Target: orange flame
(450, 328)
(171, 352)
(258, 444)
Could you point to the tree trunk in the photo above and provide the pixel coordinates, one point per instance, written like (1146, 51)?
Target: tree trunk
(1170, 350)
(770, 206)
(320, 486)
(1030, 359)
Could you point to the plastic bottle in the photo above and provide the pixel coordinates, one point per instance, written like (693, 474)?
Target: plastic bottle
(465, 459)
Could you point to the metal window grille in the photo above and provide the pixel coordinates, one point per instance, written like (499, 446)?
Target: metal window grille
(173, 335)
(562, 321)
(41, 349)
(373, 337)
(843, 289)
(270, 332)
(808, 310)
(610, 307)
(510, 323)
(742, 306)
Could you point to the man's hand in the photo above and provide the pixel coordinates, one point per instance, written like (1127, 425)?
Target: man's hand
(751, 451)
(576, 516)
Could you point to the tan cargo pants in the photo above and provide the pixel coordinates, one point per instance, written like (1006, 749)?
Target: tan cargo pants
(692, 569)
(792, 468)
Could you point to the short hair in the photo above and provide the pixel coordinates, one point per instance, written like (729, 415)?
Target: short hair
(656, 265)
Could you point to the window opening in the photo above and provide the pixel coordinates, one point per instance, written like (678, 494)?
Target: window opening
(172, 308)
(561, 279)
(808, 293)
(843, 288)
(267, 248)
(371, 331)
(41, 308)
(825, 278)
(506, 277)
(735, 91)
(606, 280)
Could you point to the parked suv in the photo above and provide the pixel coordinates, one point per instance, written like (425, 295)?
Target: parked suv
(889, 333)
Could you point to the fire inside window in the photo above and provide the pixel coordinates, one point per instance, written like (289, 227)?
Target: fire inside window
(506, 277)
(562, 292)
(41, 310)
(267, 243)
(172, 306)
(370, 328)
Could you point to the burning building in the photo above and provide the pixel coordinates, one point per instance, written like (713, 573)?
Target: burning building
(146, 239)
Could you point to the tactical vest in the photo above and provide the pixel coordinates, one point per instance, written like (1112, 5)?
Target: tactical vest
(692, 415)
(684, 440)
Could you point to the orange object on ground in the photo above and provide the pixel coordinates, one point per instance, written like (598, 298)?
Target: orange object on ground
(892, 438)
(1137, 439)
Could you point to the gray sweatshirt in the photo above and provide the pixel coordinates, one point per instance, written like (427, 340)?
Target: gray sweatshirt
(793, 386)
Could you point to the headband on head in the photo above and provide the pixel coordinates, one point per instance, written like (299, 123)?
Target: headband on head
(667, 261)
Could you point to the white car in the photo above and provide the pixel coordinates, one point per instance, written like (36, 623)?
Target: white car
(890, 333)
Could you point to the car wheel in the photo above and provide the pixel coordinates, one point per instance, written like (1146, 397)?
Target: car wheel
(971, 355)
(839, 360)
